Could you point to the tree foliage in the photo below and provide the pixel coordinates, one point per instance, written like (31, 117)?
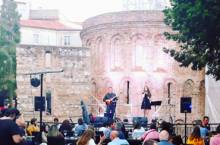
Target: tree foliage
(196, 27)
(9, 37)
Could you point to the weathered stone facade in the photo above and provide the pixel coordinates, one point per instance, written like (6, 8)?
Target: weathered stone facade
(122, 50)
(67, 88)
(126, 51)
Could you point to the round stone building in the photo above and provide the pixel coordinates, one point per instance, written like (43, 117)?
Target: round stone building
(127, 53)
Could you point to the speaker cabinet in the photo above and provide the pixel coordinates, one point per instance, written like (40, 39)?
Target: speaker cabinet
(39, 103)
(186, 105)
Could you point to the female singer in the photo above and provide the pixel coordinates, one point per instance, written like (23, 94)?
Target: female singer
(146, 106)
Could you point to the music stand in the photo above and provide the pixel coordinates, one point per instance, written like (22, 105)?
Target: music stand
(155, 104)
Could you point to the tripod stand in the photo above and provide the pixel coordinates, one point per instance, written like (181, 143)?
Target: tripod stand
(185, 126)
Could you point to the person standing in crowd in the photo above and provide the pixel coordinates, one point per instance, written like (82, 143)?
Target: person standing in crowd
(146, 106)
(195, 138)
(33, 127)
(203, 130)
(205, 122)
(87, 138)
(215, 140)
(110, 100)
(9, 130)
(115, 140)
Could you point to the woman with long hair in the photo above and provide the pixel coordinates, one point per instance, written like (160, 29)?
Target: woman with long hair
(87, 138)
(195, 138)
(146, 106)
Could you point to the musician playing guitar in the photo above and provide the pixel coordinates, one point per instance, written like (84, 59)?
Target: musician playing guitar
(110, 100)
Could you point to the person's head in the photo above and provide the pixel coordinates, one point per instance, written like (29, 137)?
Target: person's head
(114, 134)
(205, 120)
(86, 136)
(167, 126)
(66, 123)
(111, 124)
(196, 132)
(56, 120)
(80, 121)
(110, 89)
(153, 126)
(125, 120)
(149, 142)
(164, 135)
(137, 125)
(218, 129)
(34, 121)
(13, 113)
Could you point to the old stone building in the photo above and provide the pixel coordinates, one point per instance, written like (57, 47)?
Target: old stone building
(126, 53)
(122, 50)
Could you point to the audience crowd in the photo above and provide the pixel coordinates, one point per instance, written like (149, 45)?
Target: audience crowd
(15, 131)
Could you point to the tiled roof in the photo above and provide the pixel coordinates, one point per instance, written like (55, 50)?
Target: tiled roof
(44, 24)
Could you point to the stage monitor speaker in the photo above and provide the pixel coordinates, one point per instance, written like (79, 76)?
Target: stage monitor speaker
(186, 105)
(142, 120)
(39, 103)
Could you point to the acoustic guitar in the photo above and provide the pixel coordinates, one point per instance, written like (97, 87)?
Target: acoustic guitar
(110, 101)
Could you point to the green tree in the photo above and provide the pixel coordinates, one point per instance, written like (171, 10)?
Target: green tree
(196, 27)
(9, 38)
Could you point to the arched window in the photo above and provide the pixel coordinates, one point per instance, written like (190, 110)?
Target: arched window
(116, 52)
(98, 53)
(188, 88)
(48, 59)
(138, 52)
(126, 92)
(170, 91)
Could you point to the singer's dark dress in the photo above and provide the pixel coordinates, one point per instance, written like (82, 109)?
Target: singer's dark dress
(146, 102)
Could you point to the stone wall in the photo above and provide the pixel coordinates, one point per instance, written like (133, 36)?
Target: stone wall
(126, 50)
(67, 88)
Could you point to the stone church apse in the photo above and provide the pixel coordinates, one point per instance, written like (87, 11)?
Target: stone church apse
(127, 54)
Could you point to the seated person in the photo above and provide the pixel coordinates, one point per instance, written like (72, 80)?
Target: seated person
(33, 127)
(215, 140)
(54, 132)
(80, 127)
(164, 138)
(111, 126)
(195, 137)
(138, 131)
(65, 126)
(115, 140)
(152, 134)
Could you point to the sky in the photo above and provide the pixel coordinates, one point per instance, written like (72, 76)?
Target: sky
(79, 10)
